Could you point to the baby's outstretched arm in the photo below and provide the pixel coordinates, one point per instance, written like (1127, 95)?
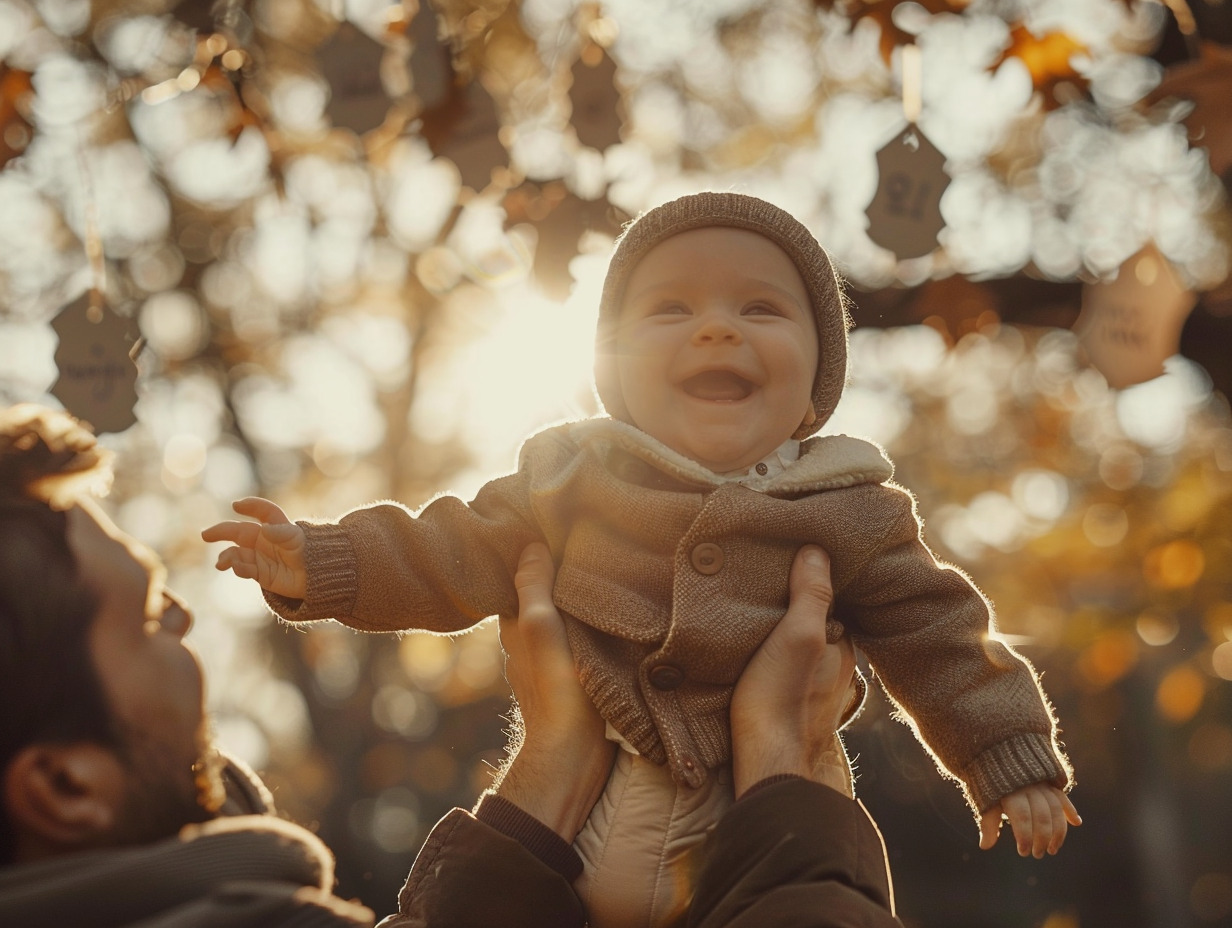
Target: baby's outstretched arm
(1039, 814)
(270, 550)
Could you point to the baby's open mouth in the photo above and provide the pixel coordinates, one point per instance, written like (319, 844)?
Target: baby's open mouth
(717, 385)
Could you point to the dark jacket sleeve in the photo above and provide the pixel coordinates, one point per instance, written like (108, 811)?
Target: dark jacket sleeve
(795, 855)
(469, 875)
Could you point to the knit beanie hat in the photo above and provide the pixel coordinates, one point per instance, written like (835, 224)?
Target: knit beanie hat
(736, 211)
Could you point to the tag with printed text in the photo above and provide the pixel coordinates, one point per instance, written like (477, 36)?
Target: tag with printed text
(1131, 324)
(905, 214)
(98, 379)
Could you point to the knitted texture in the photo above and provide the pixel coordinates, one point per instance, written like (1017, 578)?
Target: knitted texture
(245, 870)
(511, 820)
(734, 211)
(660, 637)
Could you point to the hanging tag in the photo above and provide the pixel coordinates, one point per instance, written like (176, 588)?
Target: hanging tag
(559, 219)
(466, 130)
(431, 69)
(905, 214)
(1203, 84)
(595, 100)
(351, 62)
(1130, 324)
(98, 379)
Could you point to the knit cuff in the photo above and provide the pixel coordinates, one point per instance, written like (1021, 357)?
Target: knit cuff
(1009, 766)
(330, 563)
(510, 820)
(768, 781)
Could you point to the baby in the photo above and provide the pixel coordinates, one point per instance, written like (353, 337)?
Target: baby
(673, 521)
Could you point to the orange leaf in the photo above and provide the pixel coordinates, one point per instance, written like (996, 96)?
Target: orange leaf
(15, 129)
(1048, 57)
(1049, 60)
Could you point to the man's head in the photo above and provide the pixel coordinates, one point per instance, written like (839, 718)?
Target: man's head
(707, 257)
(102, 738)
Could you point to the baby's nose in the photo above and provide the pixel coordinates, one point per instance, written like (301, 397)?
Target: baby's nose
(717, 329)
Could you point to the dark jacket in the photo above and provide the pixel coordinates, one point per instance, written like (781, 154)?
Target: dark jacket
(793, 853)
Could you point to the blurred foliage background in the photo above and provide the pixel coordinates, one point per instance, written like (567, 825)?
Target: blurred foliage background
(356, 247)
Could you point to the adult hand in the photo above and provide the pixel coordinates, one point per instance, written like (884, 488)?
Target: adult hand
(270, 550)
(563, 761)
(790, 699)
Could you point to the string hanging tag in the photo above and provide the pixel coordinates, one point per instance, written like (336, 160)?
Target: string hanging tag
(95, 357)
(905, 213)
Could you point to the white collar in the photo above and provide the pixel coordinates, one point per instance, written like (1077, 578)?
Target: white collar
(770, 466)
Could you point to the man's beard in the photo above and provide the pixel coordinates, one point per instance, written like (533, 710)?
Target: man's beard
(169, 785)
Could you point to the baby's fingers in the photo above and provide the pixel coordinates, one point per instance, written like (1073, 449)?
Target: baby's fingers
(282, 533)
(1021, 814)
(1047, 822)
(261, 509)
(1063, 815)
(239, 561)
(240, 533)
(990, 827)
(247, 534)
(1071, 812)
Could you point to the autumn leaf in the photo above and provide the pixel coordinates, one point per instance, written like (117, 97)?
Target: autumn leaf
(15, 95)
(1048, 58)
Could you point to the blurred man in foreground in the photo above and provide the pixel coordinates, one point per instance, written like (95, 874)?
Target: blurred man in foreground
(116, 809)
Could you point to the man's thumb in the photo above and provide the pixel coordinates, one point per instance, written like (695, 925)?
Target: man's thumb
(810, 578)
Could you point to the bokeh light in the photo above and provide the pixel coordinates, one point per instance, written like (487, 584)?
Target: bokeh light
(327, 316)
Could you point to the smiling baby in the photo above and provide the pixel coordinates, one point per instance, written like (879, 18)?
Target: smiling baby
(721, 351)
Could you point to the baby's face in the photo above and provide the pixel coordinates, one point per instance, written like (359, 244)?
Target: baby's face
(716, 347)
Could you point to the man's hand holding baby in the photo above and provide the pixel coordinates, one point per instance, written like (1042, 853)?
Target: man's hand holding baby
(561, 730)
(270, 550)
(1040, 816)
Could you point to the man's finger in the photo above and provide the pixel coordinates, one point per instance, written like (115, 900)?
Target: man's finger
(533, 580)
(809, 583)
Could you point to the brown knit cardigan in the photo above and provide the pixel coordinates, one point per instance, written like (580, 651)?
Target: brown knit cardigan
(671, 577)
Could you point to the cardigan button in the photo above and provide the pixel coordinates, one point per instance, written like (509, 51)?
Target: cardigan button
(762, 468)
(707, 558)
(666, 677)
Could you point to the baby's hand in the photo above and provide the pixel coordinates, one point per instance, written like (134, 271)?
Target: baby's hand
(270, 551)
(1039, 814)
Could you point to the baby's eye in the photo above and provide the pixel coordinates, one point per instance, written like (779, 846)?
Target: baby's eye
(761, 309)
(670, 309)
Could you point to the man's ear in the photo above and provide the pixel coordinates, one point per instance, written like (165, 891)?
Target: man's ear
(61, 797)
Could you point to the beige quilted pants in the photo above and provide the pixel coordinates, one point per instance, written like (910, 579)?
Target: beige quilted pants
(640, 848)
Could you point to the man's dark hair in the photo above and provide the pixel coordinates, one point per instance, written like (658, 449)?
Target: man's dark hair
(49, 688)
